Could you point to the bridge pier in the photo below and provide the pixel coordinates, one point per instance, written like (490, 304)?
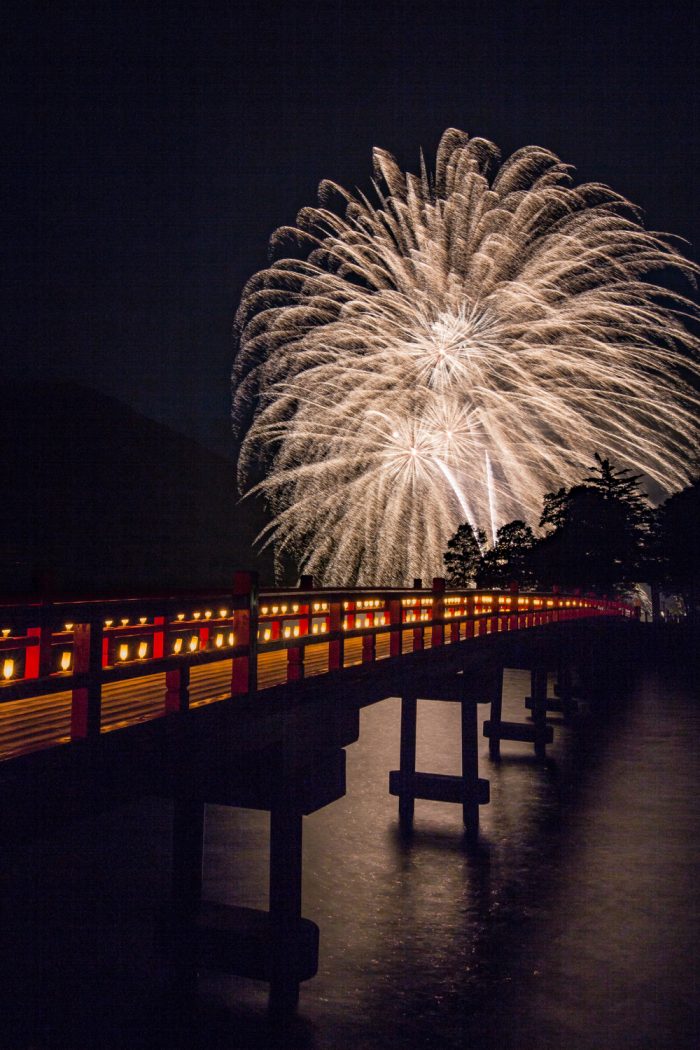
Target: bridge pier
(285, 907)
(468, 790)
(407, 761)
(187, 863)
(538, 732)
(302, 774)
(277, 946)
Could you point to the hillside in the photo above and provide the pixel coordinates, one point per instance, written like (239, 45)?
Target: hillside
(98, 498)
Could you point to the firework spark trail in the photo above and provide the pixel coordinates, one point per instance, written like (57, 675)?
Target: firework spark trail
(454, 350)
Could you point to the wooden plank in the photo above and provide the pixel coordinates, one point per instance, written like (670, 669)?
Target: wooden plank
(241, 941)
(437, 787)
(521, 731)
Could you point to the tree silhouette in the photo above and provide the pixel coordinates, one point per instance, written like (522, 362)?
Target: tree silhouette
(508, 560)
(602, 532)
(463, 558)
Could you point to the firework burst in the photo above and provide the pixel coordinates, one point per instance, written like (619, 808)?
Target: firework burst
(451, 351)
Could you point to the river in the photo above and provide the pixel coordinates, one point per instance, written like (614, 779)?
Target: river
(572, 924)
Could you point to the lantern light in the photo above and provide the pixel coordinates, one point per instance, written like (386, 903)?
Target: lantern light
(65, 661)
(8, 668)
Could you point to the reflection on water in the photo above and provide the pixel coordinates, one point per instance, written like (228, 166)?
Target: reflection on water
(571, 925)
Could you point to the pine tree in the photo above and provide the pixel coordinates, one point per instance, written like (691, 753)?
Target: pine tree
(463, 558)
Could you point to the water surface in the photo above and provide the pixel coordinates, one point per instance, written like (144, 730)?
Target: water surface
(572, 924)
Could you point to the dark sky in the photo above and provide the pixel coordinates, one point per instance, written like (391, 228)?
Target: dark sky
(152, 149)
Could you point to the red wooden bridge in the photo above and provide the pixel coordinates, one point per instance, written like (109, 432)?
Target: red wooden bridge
(74, 670)
(247, 699)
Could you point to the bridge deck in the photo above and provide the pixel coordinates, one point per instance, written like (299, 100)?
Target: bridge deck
(44, 721)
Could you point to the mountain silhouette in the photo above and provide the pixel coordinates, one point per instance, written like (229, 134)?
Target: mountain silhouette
(99, 499)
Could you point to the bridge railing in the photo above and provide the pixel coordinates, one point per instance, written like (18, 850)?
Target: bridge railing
(281, 636)
(384, 623)
(80, 646)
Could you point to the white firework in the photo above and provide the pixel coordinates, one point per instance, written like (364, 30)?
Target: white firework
(450, 353)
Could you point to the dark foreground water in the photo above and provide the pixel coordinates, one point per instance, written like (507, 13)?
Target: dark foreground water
(573, 925)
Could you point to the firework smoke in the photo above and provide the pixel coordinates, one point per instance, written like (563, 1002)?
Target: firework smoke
(450, 352)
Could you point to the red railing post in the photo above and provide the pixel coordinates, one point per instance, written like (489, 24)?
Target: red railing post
(438, 611)
(513, 622)
(158, 637)
(395, 621)
(336, 646)
(295, 663)
(245, 630)
(37, 660)
(86, 703)
(177, 689)
(469, 624)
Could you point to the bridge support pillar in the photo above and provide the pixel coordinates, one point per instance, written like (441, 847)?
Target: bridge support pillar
(285, 906)
(407, 760)
(467, 790)
(470, 768)
(538, 685)
(188, 853)
(495, 720)
(538, 732)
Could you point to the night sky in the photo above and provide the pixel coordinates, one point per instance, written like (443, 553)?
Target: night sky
(152, 149)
